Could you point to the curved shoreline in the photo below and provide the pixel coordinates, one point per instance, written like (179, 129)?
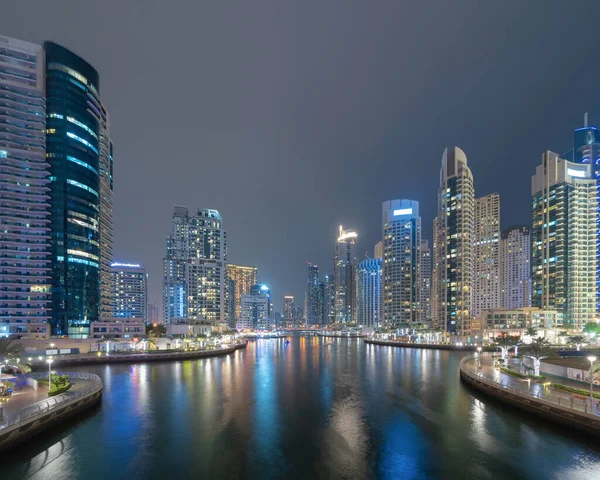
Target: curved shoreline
(569, 417)
(139, 357)
(431, 346)
(47, 413)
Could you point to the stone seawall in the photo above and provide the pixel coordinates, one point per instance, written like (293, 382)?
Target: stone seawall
(138, 357)
(585, 422)
(432, 346)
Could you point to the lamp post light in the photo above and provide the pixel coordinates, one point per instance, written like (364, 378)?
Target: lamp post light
(592, 359)
(50, 360)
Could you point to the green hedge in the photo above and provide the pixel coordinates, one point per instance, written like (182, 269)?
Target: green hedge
(56, 390)
(577, 391)
(521, 375)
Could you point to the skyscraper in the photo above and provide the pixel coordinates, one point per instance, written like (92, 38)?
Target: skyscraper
(486, 255)
(344, 263)
(452, 245)
(368, 292)
(378, 250)
(314, 297)
(262, 289)
(564, 239)
(586, 150)
(329, 298)
(299, 318)
(243, 277)
(424, 282)
(25, 262)
(130, 291)
(288, 310)
(80, 155)
(194, 267)
(401, 231)
(515, 267)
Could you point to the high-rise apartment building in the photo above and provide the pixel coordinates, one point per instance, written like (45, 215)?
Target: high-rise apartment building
(243, 277)
(368, 292)
(401, 244)
(564, 239)
(424, 282)
(515, 268)
(288, 310)
(378, 250)
(25, 262)
(453, 238)
(255, 311)
(130, 283)
(299, 318)
(314, 297)
(194, 267)
(262, 289)
(486, 255)
(344, 264)
(586, 150)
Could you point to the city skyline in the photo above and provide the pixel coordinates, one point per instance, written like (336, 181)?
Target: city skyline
(402, 124)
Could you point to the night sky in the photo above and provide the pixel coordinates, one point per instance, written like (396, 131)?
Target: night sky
(293, 117)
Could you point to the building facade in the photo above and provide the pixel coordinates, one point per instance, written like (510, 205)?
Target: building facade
(369, 292)
(564, 239)
(25, 261)
(401, 254)
(130, 283)
(424, 282)
(329, 298)
(194, 267)
(453, 237)
(243, 277)
(344, 264)
(516, 321)
(486, 255)
(515, 267)
(288, 310)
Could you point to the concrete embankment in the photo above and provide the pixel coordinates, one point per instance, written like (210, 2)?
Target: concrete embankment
(563, 415)
(38, 417)
(137, 357)
(432, 346)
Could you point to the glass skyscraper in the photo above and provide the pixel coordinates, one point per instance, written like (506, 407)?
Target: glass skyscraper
(76, 140)
(368, 292)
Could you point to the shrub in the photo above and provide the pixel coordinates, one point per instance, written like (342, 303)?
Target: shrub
(508, 371)
(576, 391)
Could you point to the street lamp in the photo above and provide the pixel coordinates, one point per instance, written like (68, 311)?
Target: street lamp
(50, 360)
(592, 359)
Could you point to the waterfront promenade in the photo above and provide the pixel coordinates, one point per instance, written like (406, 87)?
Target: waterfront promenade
(539, 398)
(433, 346)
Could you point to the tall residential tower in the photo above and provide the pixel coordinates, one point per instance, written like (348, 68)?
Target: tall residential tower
(344, 264)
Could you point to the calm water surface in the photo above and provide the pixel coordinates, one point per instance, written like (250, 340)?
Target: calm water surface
(304, 410)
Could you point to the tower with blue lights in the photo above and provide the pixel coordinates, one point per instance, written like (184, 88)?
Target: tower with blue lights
(586, 150)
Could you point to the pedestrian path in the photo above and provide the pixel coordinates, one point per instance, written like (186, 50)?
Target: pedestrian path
(540, 390)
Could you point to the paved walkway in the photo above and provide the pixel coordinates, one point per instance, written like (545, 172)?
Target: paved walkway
(532, 388)
(25, 396)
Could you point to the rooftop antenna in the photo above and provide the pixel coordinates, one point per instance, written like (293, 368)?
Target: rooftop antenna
(585, 119)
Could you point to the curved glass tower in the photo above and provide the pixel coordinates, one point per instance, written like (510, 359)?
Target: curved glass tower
(74, 146)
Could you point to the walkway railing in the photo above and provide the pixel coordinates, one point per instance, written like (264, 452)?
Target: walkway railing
(582, 406)
(51, 403)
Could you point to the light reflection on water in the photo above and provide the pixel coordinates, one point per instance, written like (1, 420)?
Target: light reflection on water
(305, 410)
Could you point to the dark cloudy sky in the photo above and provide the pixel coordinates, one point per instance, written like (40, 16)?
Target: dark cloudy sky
(293, 117)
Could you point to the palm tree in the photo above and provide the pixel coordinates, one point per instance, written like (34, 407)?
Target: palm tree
(538, 349)
(9, 349)
(578, 340)
(505, 343)
(532, 332)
